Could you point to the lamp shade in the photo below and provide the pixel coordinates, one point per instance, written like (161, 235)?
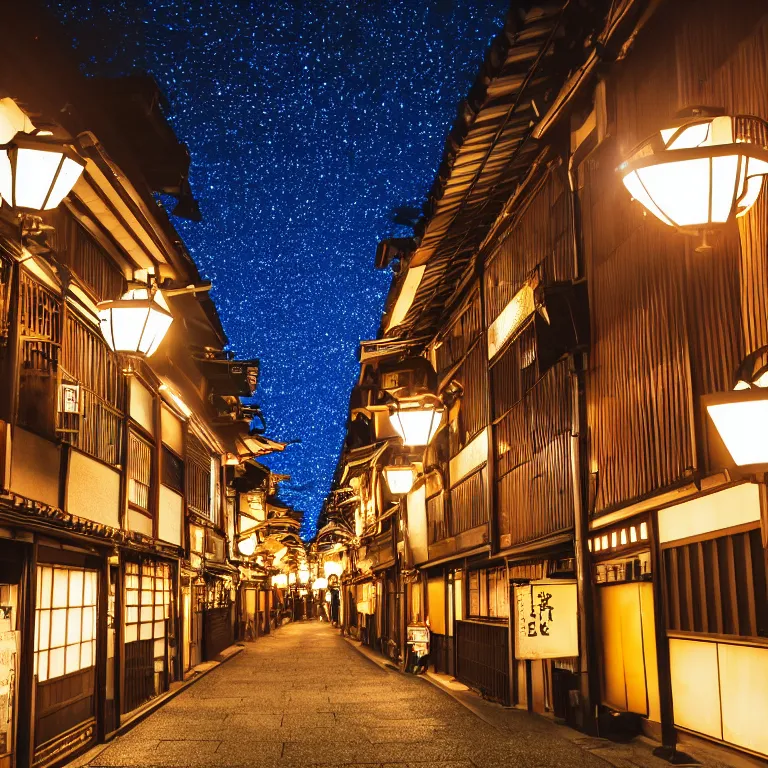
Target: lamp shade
(700, 174)
(332, 568)
(280, 580)
(417, 422)
(303, 575)
(37, 173)
(399, 479)
(320, 583)
(136, 323)
(247, 546)
(741, 420)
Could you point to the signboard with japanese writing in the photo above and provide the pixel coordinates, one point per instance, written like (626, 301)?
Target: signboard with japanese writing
(547, 620)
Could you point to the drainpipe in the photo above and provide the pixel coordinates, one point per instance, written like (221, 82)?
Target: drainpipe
(589, 693)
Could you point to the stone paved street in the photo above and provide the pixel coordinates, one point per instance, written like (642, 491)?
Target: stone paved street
(305, 697)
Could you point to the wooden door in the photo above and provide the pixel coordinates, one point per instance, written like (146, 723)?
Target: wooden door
(65, 658)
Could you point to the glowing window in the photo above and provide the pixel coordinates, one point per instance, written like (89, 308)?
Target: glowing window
(65, 621)
(623, 536)
(633, 534)
(643, 531)
(614, 539)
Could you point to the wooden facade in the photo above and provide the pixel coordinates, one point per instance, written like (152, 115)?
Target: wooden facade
(117, 528)
(573, 337)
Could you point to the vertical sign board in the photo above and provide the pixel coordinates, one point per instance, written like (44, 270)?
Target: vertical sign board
(546, 616)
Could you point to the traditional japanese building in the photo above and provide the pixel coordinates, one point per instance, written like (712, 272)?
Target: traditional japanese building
(583, 527)
(121, 422)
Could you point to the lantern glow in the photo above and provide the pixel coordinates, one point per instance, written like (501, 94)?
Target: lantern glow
(699, 174)
(417, 422)
(332, 568)
(136, 323)
(247, 546)
(320, 583)
(36, 173)
(399, 479)
(280, 581)
(741, 419)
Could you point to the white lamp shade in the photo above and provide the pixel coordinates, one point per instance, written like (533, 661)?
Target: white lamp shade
(136, 323)
(36, 174)
(417, 423)
(247, 546)
(303, 575)
(320, 583)
(399, 479)
(741, 419)
(280, 580)
(332, 568)
(697, 175)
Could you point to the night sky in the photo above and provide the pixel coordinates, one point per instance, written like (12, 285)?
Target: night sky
(308, 121)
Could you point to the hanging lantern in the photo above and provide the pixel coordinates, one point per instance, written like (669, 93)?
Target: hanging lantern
(37, 173)
(136, 323)
(702, 173)
(303, 574)
(320, 583)
(247, 546)
(741, 416)
(399, 479)
(417, 421)
(280, 580)
(332, 568)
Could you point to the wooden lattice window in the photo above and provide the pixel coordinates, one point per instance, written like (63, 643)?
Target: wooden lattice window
(198, 477)
(489, 593)
(139, 471)
(40, 331)
(87, 362)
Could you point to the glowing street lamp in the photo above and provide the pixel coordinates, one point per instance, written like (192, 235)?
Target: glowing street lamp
(417, 421)
(701, 173)
(332, 568)
(247, 547)
(399, 479)
(741, 416)
(320, 583)
(136, 323)
(36, 172)
(303, 574)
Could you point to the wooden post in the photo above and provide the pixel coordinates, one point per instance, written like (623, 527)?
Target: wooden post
(668, 733)
(25, 735)
(101, 650)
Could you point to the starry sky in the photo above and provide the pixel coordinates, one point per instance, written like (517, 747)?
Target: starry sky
(308, 122)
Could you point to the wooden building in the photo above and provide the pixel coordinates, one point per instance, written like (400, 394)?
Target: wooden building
(579, 537)
(116, 533)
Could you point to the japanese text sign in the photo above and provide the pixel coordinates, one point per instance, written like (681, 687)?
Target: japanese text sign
(546, 620)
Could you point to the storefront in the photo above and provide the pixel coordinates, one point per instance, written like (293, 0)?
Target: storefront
(149, 629)
(716, 598)
(623, 577)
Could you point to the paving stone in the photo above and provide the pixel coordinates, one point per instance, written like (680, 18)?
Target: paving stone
(303, 697)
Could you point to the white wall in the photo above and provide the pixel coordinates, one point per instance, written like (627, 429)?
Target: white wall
(93, 490)
(170, 515)
(142, 405)
(35, 465)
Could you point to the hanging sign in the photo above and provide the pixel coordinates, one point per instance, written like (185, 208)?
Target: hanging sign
(547, 620)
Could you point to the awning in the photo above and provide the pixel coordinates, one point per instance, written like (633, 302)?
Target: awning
(360, 460)
(487, 153)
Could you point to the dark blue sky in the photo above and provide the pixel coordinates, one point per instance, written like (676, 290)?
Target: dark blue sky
(308, 121)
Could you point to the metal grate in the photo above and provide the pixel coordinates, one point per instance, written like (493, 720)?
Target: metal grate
(482, 658)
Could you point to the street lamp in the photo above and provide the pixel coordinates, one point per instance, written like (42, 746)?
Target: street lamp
(247, 546)
(417, 421)
(399, 479)
(37, 173)
(136, 323)
(700, 173)
(741, 416)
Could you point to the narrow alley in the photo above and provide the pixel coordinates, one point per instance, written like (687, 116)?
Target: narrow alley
(304, 697)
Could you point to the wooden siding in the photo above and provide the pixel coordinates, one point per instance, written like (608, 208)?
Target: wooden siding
(454, 343)
(533, 461)
(468, 508)
(668, 324)
(541, 237)
(472, 375)
(482, 658)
